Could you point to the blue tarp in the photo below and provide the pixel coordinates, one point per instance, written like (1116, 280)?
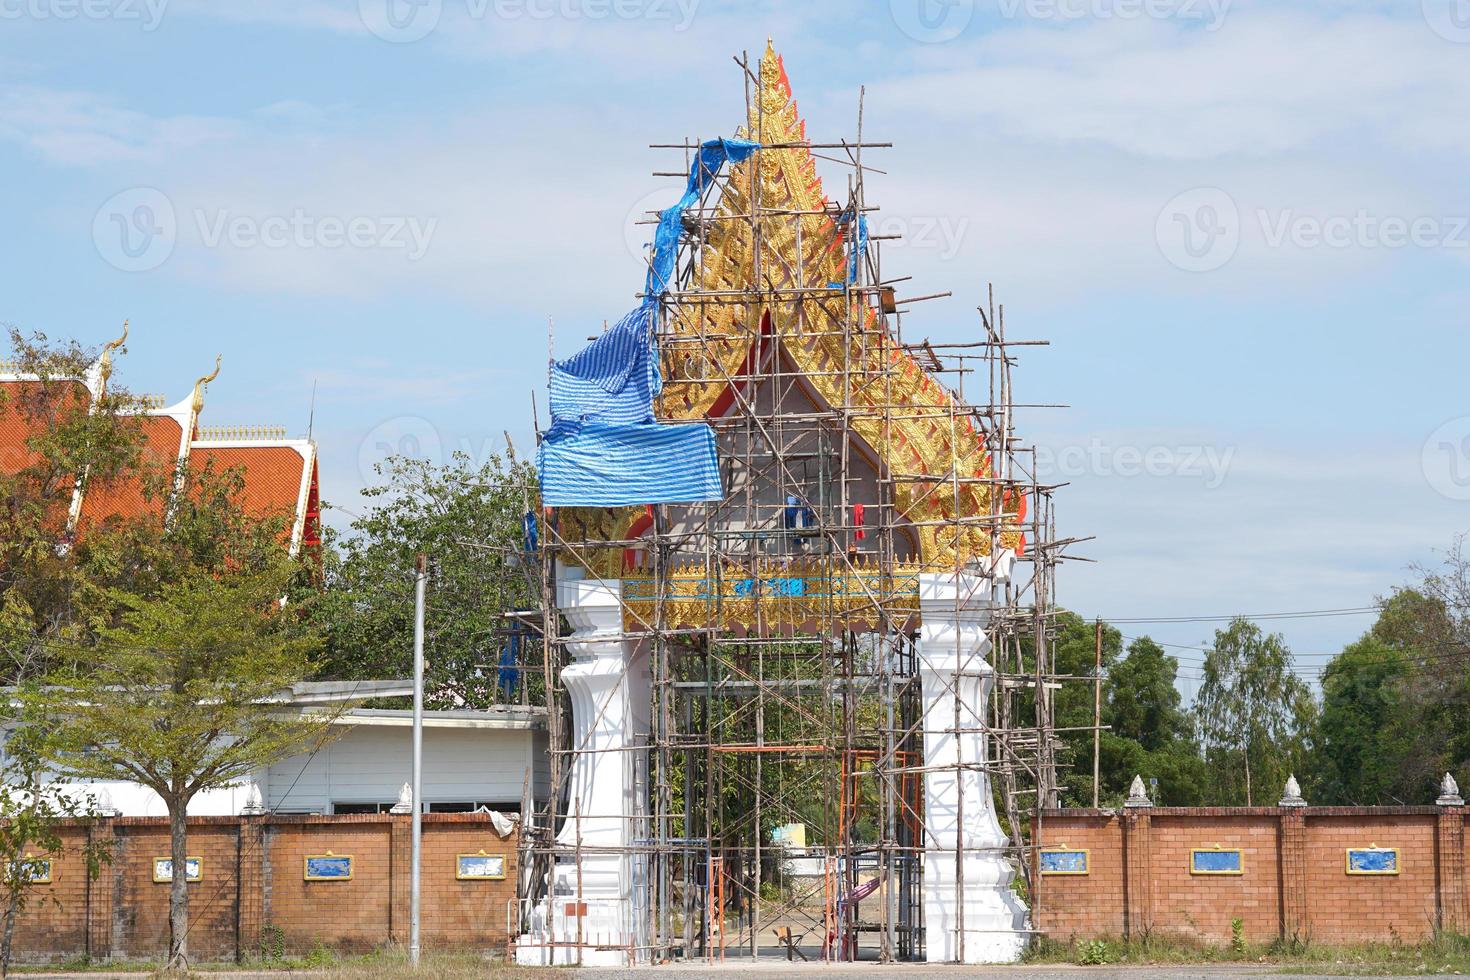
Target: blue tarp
(619, 465)
(612, 380)
(604, 448)
(713, 155)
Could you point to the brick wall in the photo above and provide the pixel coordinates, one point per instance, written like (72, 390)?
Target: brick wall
(254, 887)
(1294, 882)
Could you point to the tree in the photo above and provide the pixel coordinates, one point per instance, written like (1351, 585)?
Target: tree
(178, 697)
(1430, 625)
(471, 521)
(1143, 704)
(49, 590)
(1074, 652)
(1360, 747)
(1150, 733)
(33, 804)
(1396, 701)
(1254, 713)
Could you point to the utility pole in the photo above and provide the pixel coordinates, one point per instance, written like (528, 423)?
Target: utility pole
(420, 583)
(1097, 713)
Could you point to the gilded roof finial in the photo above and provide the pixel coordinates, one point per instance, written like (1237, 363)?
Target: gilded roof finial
(104, 364)
(198, 403)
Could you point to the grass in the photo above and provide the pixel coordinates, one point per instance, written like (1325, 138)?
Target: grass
(322, 962)
(1447, 954)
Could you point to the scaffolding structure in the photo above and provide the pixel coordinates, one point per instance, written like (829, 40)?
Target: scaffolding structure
(779, 782)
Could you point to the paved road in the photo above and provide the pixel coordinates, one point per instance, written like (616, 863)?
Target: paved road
(769, 970)
(914, 971)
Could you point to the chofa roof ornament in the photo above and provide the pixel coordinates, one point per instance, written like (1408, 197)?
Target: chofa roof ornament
(104, 363)
(197, 403)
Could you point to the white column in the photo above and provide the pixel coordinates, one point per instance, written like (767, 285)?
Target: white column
(970, 913)
(608, 684)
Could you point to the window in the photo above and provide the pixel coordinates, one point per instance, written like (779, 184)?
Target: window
(361, 807)
(448, 806)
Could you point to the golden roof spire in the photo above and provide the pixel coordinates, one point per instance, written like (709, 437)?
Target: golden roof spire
(908, 418)
(198, 403)
(104, 365)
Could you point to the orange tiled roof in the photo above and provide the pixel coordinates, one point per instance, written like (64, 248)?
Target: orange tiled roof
(123, 496)
(280, 475)
(17, 427)
(273, 474)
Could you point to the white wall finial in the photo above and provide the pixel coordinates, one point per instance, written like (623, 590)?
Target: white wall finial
(1293, 794)
(405, 800)
(1137, 795)
(254, 804)
(1449, 792)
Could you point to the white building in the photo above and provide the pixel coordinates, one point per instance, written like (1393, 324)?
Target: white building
(472, 758)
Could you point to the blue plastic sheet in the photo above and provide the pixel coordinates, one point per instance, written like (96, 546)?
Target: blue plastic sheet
(604, 448)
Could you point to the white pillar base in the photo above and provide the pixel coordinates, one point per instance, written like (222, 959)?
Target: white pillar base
(970, 913)
(587, 916)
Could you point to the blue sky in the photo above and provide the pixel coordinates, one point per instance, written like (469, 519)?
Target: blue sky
(1241, 225)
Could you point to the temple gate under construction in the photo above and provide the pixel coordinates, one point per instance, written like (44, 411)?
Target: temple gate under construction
(796, 575)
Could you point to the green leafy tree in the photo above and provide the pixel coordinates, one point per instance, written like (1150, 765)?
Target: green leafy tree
(177, 696)
(1430, 625)
(1147, 732)
(1360, 745)
(49, 591)
(470, 521)
(1074, 652)
(1142, 702)
(33, 806)
(1150, 733)
(1255, 715)
(1396, 703)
